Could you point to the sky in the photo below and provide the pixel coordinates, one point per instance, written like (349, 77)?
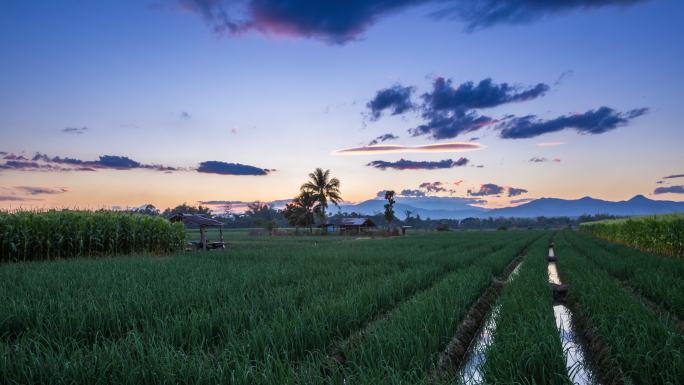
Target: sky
(124, 103)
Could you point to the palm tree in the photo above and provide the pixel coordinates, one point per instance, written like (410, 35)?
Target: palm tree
(300, 212)
(324, 188)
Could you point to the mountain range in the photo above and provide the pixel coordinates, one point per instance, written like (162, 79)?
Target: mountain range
(459, 208)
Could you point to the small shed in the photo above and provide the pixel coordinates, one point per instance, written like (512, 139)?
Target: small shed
(202, 222)
(351, 225)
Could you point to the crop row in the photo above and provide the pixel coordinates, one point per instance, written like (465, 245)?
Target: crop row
(242, 317)
(658, 234)
(647, 349)
(29, 236)
(658, 278)
(526, 348)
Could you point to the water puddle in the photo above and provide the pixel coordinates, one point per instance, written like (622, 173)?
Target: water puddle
(575, 362)
(551, 253)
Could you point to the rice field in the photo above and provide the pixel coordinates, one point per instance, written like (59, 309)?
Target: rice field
(338, 310)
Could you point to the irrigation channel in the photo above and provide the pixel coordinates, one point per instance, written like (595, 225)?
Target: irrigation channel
(575, 358)
(470, 371)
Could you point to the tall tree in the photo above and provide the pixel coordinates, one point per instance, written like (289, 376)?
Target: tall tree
(389, 207)
(300, 212)
(324, 188)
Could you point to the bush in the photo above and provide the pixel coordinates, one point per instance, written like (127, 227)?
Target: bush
(38, 235)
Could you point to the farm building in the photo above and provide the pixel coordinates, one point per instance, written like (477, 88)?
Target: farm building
(350, 225)
(202, 222)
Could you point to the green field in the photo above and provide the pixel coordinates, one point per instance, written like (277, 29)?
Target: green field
(283, 309)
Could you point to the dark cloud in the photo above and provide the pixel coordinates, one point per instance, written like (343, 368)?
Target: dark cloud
(514, 191)
(396, 99)
(479, 14)
(393, 148)
(43, 162)
(487, 189)
(223, 168)
(10, 156)
(596, 121)
(414, 193)
(674, 176)
(468, 95)
(185, 115)
(449, 110)
(448, 125)
(338, 22)
(670, 190)
(432, 187)
(74, 130)
(383, 138)
(494, 189)
(404, 164)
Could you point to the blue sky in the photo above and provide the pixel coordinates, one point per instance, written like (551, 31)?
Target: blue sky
(153, 82)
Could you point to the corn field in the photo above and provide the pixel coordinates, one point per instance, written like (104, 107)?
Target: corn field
(39, 235)
(657, 234)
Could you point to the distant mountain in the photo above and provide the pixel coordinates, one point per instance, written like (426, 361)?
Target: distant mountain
(459, 208)
(554, 207)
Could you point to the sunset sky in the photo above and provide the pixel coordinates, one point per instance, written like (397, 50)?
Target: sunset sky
(122, 103)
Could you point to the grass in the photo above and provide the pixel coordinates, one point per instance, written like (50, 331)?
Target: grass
(245, 315)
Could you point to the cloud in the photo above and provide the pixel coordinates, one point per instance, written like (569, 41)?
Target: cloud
(549, 144)
(487, 189)
(33, 190)
(414, 193)
(338, 22)
(383, 138)
(449, 110)
(75, 130)
(597, 121)
(468, 95)
(669, 190)
(16, 198)
(43, 162)
(674, 176)
(514, 191)
(396, 99)
(486, 13)
(542, 160)
(521, 200)
(441, 125)
(185, 115)
(10, 156)
(390, 148)
(494, 189)
(223, 168)
(432, 187)
(563, 77)
(404, 164)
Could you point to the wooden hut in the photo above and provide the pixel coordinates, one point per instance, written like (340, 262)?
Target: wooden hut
(202, 222)
(355, 225)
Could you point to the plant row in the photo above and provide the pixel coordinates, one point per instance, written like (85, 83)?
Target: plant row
(658, 278)
(647, 350)
(526, 347)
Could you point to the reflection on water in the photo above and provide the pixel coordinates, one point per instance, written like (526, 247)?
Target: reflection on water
(553, 274)
(551, 253)
(575, 362)
(471, 370)
(579, 372)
